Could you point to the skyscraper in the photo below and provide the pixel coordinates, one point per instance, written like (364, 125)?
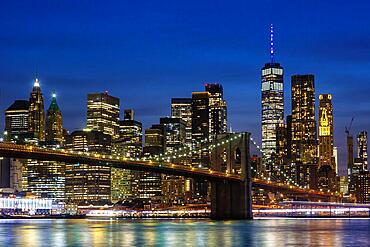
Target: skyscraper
(129, 144)
(272, 106)
(150, 184)
(16, 121)
(304, 144)
(86, 184)
(200, 127)
(217, 109)
(360, 178)
(362, 148)
(281, 155)
(36, 120)
(327, 165)
(200, 134)
(103, 112)
(181, 108)
(53, 127)
(175, 136)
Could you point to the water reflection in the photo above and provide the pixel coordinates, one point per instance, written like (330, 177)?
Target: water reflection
(276, 232)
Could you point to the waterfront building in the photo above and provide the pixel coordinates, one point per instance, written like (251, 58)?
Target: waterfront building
(44, 179)
(86, 184)
(36, 119)
(103, 113)
(327, 166)
(304, 138)
(272, 101)
(124, 183)
(53, 126)
(16, 122)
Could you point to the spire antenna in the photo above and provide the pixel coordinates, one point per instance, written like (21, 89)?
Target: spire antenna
(272, 43)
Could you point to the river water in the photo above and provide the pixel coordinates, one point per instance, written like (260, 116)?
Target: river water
(149, 232)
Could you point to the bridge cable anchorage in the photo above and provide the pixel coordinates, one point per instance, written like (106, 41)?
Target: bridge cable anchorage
(288, 179)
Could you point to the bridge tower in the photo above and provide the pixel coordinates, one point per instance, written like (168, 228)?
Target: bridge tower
(231, 199)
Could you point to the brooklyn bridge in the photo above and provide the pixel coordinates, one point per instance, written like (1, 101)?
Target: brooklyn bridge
(231, 181)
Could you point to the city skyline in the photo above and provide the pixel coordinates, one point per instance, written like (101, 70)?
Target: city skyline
(234, 60)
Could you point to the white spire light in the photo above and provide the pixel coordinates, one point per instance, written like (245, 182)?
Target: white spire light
(36, 83)
(272, 42)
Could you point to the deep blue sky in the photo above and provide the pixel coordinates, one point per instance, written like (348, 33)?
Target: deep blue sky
(146, 52)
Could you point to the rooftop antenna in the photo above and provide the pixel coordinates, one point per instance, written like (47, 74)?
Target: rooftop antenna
(272, 42)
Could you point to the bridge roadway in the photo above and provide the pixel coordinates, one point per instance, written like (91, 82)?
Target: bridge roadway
(11, 150)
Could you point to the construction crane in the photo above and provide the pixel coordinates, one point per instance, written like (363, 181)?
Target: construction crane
(349, 128)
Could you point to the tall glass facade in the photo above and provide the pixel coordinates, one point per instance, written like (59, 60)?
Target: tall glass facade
(272, 110)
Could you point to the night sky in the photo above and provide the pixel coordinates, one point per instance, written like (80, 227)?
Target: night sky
(146, 52)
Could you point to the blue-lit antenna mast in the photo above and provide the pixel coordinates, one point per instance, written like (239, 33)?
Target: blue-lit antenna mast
(272, 42)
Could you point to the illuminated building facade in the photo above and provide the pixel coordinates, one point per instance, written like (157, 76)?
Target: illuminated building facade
(53, 126)
(181, 108)
(16, 122)
(362, 186)
(217, 110)
(173, 187)
(327, 165)
(150, 184)
(129, 144)
(103, 113)
(36, 120)
(272, 98)
(87, 184)
(362, 148)
(281, 154)
(272, 109)
(304, 144)
(44, 179)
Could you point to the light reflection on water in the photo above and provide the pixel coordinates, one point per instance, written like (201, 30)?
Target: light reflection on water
(272, 232)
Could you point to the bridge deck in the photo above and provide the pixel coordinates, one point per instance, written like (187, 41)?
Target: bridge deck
(11, 150)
